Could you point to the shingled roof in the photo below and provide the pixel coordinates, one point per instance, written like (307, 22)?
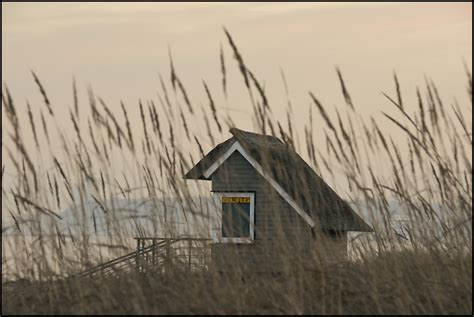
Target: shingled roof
(293, 174)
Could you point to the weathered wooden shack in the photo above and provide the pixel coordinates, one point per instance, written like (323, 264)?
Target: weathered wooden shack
(275, 211)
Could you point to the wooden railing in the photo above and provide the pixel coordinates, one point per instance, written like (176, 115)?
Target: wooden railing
(170, 253)
(157, 255)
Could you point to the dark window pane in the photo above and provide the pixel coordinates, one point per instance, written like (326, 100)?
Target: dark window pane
(235, 217)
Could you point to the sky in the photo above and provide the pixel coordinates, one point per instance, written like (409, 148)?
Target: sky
(121, 48)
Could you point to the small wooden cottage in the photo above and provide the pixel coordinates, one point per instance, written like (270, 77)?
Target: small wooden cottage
(275, 211)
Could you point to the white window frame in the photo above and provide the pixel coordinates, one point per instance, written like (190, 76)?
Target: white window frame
(217, 236)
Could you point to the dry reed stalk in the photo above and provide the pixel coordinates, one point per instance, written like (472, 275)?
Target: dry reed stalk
(212, 106)
(272, 129)
(201, 151)
(63, 175)
(102, 181)
(172, 71)
(185, 125)
(261, 115)
(17, 224)
(92, 137)
(238, 57)
(175, 81)
(308, 145)
(322, 112)
(172, 139)
(13, 160)
(152, 118)
(260, 90)
(208, 126)
(75, 98)
(157, 121)
(410, 134)
(21, 148)
(119, 130)
(45, 128)
(167, 100)
(185, 95)
(310, 140)
(12, 116)
(82, 167)
(345, 92)
(43, 93)
(76, 127)
(460, 118)
(399, 93)
(290, 127)
(121, 189)
(348, 140)
(330, 125)
(223, 71)
(32, 124)
(43, 210)
(97, 201)
(330, 148)
(243, 69)
(127, 125)
(26, 186)
(145, 131)
(56, 192)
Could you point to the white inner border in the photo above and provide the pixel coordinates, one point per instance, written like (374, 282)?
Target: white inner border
(217, 236)
(237, 147)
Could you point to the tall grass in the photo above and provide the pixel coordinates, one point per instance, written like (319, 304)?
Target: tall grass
(110, 165)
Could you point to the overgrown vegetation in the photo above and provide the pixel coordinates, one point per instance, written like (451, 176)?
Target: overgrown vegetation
(424, 266)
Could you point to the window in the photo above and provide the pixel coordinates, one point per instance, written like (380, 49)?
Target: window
(237, 217)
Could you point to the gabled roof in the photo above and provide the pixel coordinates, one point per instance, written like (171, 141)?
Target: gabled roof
(297, 181)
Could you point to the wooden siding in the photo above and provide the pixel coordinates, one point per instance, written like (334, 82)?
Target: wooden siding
(280, 233)
(282, 238)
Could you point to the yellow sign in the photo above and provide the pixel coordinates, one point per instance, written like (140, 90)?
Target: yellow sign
(236, 200)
